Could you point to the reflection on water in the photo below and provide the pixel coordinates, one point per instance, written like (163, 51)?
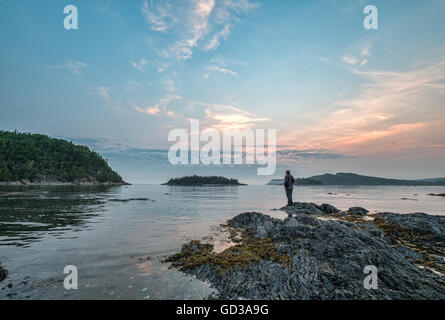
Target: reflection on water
(28, 213)
(44, 229)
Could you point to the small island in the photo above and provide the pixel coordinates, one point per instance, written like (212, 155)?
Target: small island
(200, 181)
(36, 159)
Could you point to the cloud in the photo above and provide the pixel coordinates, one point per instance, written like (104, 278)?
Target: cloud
(190, 23)
(361, 53)
(157, 17)
(148, 110)
(391, 109)
(214, 42)
(349, 59)
(292, 154)
(222, 70)
(139, 66)
(73, 66)
(104, 93)
(161, 105)
(221, 117)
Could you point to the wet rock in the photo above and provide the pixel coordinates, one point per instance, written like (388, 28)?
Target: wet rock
(419, 223)
(302, 208)
(3, 273)
(358, 211)
(327, 258)
(329, 209)
(310, 208)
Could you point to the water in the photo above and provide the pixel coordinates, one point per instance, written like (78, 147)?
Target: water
(44, 229)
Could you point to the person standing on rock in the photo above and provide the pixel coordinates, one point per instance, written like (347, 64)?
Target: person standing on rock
(289, 186)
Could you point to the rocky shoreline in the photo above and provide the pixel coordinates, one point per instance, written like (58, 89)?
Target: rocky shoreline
(61, 183)
(320, 252)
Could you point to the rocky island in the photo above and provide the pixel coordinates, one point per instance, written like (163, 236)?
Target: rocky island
(203, 181)
(27, 159)
(320, 252)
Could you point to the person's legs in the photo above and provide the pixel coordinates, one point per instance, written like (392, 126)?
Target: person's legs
(289, 196)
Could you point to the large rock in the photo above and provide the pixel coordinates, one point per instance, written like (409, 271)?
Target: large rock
(310, 208)
(328, 260)
(422, 223)
(359, 211)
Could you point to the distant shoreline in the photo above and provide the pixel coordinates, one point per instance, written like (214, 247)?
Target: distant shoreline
(60, 183)
(352, 179)
(204, 185)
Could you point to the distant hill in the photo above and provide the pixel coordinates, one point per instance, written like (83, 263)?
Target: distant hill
(298, 182)
(203, 181)
(352, 179)
(37, 158)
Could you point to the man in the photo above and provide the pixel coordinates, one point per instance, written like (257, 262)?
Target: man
(289, 186)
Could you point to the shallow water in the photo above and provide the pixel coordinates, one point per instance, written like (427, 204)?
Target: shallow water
(44, 229)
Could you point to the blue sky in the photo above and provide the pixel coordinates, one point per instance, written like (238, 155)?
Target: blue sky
(341, 97)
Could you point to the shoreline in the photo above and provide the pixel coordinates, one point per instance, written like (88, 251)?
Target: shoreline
(61, 183)
(204, 185)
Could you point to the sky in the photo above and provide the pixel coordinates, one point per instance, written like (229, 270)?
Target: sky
(342, 98)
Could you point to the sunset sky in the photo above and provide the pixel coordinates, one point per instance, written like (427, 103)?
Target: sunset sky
(342, 98)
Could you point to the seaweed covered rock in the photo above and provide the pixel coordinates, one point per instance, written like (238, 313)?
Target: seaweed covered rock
(303, 257)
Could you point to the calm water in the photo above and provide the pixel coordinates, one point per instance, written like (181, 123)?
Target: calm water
(43, 229)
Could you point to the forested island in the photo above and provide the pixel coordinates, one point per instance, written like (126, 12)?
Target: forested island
(203, 181)
(27, 158)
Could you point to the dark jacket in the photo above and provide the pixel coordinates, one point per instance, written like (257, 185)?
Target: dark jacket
(289, 181)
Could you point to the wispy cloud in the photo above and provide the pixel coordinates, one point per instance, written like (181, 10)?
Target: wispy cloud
(104, 93)
(139, 65)
(349, 59)
(360, 55)
(73, 66)
(222, 70)
(160, 106)
(158, 17)
(219, 116)
(391, 108)
(215, 41)
(193, 22)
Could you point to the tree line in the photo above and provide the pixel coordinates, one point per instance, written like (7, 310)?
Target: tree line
(36, 157)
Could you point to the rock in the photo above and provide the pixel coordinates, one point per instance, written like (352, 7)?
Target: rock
(358, 211)
(310, 208)
(329, 209)
(420, 223)
(302, 208)
(3, 273)
(327, 258)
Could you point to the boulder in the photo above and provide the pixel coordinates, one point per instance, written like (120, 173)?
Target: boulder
(359, 211)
